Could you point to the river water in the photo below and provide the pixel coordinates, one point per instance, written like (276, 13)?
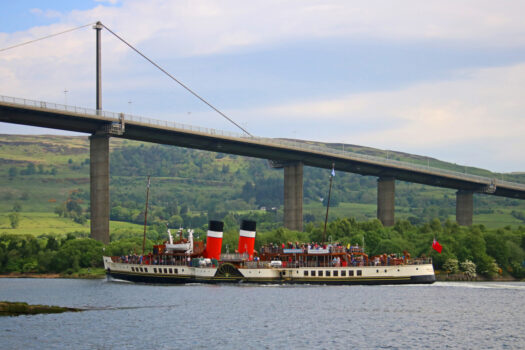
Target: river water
(130, 316)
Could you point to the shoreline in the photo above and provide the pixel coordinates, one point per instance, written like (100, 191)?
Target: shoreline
(465, 278)
(53, 275)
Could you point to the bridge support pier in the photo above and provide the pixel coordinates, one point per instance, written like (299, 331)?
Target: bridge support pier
(293, 196)
(464, 207)
(386, 200)
(99, 185)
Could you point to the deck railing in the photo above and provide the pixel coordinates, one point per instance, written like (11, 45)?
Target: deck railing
(114, 117)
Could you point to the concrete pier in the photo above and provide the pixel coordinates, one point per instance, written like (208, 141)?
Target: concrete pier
(293, 196)
(99, 182)
(386, 200)
(464, 207)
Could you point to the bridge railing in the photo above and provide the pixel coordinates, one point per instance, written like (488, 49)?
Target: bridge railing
(114, 117)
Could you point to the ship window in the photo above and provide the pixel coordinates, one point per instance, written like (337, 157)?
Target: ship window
(133, 269)
(284, 272)
(306, 272)
(350, 273)
(336, 273)
(320, 273)
(313, 273)
(359, 272)
(140, 269)
(377, 271)
(171, 270)
(176, 270)
(343, 273)
(165, 270)
(145, 269)
(327, 273)
(385, 270)
(155, 270)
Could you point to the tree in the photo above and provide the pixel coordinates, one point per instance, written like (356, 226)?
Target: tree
(14, 219)
(469, 268)
(17, 208)
(451, 266)
(12, 172)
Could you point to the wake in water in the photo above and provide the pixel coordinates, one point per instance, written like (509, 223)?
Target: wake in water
(484, 285)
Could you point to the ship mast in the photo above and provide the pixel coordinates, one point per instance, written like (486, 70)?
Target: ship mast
(145, 216)
(332, 174)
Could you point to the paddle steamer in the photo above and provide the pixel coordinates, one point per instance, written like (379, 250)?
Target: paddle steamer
(190, 261)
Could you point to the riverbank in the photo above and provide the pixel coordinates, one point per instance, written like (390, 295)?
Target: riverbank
(461, 277)
(94, 273)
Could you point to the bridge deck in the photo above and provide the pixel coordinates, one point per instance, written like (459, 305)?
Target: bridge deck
(56, 116)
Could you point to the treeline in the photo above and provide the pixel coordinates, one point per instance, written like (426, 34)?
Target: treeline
(490, 252)
(60, 254)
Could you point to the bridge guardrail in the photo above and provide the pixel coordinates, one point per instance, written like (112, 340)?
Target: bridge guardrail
(112, 116)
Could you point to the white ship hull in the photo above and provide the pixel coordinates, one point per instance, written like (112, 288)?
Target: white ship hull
(228, 273)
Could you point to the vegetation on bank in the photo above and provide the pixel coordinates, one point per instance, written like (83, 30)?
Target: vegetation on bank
(474, 250)
(8, 308)
(50, 174)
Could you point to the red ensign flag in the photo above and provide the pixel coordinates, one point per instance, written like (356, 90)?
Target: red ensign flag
(437, 247)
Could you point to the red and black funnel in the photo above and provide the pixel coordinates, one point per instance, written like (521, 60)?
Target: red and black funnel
(214, 239)
(247, 238)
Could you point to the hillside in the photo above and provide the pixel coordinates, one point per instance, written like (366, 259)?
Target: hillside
(46, 179)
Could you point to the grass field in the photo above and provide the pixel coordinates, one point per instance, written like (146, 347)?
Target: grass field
(37, 223)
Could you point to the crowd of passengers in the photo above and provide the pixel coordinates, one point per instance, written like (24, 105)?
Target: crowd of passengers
(305, 247)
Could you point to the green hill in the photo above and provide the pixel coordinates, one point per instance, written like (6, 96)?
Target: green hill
(46, 180)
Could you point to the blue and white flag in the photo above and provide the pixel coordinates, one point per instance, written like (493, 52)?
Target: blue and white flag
(333, 172)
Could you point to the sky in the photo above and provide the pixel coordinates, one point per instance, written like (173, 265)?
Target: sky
(444, 79)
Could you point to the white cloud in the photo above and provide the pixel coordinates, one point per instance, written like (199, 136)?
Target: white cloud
(478, 119)
(483, 109)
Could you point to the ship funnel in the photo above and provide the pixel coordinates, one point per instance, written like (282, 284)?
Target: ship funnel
(247, 238)
(214, 239)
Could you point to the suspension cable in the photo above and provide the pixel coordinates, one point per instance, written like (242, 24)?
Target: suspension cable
(178, 81)
(145, 57)
(45, 37)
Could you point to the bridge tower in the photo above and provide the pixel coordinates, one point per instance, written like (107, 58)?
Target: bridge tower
(293, 196)
(386, 200)
(99, 163)
(464, 207)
